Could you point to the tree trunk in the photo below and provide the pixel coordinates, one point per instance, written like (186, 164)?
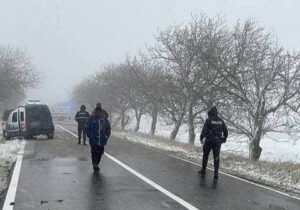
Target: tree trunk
(138, 116)
(176, 128)
(259, 120)
(138, 121)
(154, 115)
(191, 125)
(123, 123)
(255, 149)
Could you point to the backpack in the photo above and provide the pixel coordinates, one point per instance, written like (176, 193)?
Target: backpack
(105, 126)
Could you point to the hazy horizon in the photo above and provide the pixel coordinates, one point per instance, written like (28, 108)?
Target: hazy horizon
(69, 40)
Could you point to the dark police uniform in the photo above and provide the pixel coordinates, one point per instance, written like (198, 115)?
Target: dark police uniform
(215, 133)
(81, 117)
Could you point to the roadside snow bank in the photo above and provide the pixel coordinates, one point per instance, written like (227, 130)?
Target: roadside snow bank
(8, 154)
(281, 175)
(276, 146)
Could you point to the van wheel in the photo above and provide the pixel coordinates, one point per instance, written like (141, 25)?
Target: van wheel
(50, 135)
(27, 137)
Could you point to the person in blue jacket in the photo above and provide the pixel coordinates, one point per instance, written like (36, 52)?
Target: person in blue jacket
(98, 132)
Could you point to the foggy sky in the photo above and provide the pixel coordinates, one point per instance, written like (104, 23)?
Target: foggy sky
(70, 39)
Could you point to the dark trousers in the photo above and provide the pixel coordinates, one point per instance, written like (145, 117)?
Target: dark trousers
(215, 147)
(97, 152)
(81, 131)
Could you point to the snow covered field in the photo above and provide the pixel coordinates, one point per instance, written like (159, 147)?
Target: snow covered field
(276, 147)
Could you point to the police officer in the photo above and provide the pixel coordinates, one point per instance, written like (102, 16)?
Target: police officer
(215, 133)
(98, 131)
(81, 117)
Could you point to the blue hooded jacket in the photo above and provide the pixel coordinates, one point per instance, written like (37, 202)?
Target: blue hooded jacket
(93, 130)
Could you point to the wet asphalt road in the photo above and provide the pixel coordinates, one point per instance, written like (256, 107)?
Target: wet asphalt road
(57, 174)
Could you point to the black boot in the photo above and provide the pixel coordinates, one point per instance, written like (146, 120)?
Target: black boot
(96, 167)
(216, 174)
(78, 141)
(202, 172)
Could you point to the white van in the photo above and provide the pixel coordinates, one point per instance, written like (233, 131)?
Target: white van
(15, 124)
(28, 121)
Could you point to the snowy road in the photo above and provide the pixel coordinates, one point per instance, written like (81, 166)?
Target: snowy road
(57, 174)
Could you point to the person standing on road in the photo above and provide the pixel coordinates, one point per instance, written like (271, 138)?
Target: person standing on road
(215, 133)
(81, 117)
(101, 111)
(98, 132)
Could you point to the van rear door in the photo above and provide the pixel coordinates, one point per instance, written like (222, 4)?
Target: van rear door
(22, 120)
(12, 126)
(15, 121)
(38, 119)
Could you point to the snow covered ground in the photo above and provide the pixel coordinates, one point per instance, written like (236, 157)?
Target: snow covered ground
(276, 147)
(8, 154)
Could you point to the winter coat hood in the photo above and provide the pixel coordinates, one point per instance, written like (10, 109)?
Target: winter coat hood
(82, 108)
(213, 112)
(99, 112)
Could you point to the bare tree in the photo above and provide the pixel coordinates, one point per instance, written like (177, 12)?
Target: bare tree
(118, 89)
(152, 89)
(258, 78)
(87, 92)
(149, 78)
(175, 48)
(131, 77)
(171, 51)
(107, 86)
(17, 74)
(242, 70)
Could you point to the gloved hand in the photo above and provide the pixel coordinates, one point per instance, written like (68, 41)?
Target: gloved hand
(223, 140)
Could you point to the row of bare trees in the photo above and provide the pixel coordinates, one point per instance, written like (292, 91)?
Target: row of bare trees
(17, 74)
(242, 69)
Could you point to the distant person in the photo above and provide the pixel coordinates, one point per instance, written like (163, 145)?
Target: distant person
(81, 117)
(101, 111)
(98, 132)
(215, 133)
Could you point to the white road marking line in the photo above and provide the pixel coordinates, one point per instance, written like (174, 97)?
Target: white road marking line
(145, 179)
(11, 193)
(73, 134)
(153, 184)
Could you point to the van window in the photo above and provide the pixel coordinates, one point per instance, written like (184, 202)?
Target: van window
(22, 116)
(15, 117)
(38, 113)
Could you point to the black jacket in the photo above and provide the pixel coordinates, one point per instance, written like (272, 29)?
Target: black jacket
(81, 117)
(101, 113)
(214, 128)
